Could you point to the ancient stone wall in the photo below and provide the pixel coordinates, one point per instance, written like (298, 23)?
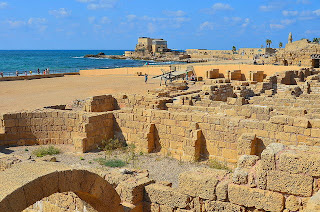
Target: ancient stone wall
(189, 132)
(47, 126)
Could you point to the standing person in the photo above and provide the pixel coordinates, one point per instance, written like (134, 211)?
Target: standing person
(26, 73)
(48, 72)
(38, 71)
(30, 72)
(17, 73)
(145, 78)
(1, 74)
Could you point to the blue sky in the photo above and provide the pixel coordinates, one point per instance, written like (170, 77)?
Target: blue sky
(116, 24)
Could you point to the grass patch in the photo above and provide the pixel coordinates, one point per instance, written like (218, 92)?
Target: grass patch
(214, 164)
(43, 151)
(111, 163)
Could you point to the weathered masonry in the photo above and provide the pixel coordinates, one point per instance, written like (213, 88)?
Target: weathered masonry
(286, 178)
(225, 119)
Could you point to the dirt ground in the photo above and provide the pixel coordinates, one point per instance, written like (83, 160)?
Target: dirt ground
(33, 94)
(160, 168)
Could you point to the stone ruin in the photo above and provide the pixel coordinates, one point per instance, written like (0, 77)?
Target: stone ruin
(274, 121)
(282, 179)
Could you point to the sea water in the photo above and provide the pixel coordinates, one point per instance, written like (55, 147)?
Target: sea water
(60, 61)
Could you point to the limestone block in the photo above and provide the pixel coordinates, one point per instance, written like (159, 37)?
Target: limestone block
(269, 154)
(296, 162)
(253, 197)
(284, 182)
(222, 190)
(282, 119)
(240, 176)
(165, 195)
(292, 203)
(247, 144)
(217, 206)
(201, 183)
(247, 161)
(131, 191)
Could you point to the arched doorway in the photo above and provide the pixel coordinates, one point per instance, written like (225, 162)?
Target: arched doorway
(27, 183)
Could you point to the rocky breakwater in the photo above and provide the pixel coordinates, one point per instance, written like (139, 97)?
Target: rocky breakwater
(102, 55)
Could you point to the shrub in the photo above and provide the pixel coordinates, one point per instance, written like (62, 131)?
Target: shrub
(111, 163)
(43, 151)
(218, 165)
(113, 144)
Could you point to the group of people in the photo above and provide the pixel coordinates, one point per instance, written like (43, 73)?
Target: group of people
(44, 72)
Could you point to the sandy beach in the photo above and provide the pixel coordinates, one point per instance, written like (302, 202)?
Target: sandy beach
(33, 94)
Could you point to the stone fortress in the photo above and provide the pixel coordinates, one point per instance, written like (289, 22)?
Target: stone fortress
(262, 121)
(154, 49)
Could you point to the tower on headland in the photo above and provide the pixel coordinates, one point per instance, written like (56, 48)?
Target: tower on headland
(290, 38)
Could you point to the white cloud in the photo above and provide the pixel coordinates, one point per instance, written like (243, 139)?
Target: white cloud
(3, 5)
(206, 26)
(274, 5)
(60, 13)
(316, 12)
(312, 32)
(246, 22)
(38, 24)
(99, 4)
(177, 13)
(303, 2)
(288, 21)
(277, 26)
(290, 13)
(16, 23)
(105, 20)
(131, 17)
(243, 22)
(221, 6)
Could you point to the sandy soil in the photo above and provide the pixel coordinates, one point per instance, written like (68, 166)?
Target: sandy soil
(160, 168)
(32, 94)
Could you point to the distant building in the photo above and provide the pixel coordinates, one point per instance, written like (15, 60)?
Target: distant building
(148, 46)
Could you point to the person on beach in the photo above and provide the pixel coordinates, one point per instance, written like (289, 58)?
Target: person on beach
(1, 74)
(38, 71)
(145, 78)
(17, 73)
(26, 73)
(30, 72)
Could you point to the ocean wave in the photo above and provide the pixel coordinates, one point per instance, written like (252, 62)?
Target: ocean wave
(77, 57)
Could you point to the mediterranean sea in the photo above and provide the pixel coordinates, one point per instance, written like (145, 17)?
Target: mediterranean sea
(60, 61)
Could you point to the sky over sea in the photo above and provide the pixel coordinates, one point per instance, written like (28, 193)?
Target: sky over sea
(116, 24)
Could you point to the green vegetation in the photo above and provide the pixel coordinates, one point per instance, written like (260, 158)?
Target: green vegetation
(113, 144)
(234, 49)
(268, 42)
(111, 163)
(26, 150)
(316, 40)
(214, 164)
(81, 158)
(43, 151)
(280, 45)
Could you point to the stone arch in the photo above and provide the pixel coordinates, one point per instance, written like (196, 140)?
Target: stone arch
(25, 184)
